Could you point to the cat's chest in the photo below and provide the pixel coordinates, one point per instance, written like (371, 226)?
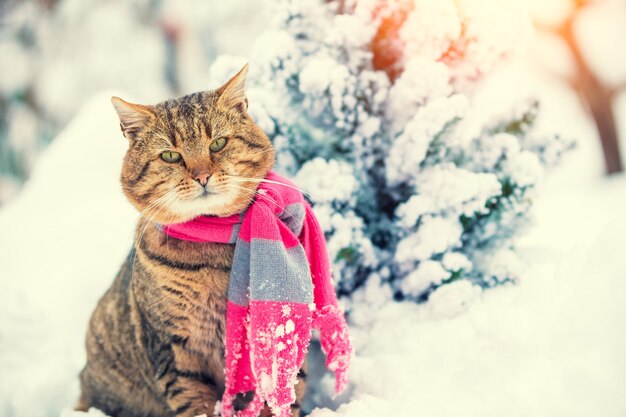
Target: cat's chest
(188, 287)
(203, 308)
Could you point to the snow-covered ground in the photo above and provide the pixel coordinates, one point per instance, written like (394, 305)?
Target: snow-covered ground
(62, 239)
(553, 345)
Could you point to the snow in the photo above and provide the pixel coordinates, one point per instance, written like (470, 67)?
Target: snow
(525, 169)
(493, 30)
(427, 273)
(431, 28)
(422, 80)
(17, 72)
(444, 188)
(452, 299)
(455, 261)
(435, 235)
(63, 238)
(551, 345)
(23, 125)
(327, 181)
(410, 148)
(91, 413)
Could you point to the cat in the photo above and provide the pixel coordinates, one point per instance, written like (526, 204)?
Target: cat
(155, 342)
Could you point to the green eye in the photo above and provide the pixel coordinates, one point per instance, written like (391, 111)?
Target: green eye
(218, 144)
(170, 156)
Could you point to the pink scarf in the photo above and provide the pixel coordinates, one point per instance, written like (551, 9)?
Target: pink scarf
(280, 288)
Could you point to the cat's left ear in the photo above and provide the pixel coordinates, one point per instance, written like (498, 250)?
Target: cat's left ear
(232, 94)
(133, 117)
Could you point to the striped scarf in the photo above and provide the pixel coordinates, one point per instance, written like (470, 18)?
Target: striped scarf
(280, 288)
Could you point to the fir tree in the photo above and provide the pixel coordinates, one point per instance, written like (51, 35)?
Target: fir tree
(366, 102)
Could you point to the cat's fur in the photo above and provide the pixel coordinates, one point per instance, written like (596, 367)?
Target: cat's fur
(155, 343)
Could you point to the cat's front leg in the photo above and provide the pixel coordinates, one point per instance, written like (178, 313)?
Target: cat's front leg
(187, 387)
(189, 393)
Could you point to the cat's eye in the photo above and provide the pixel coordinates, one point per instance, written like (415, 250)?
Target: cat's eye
(169, 156)
(218, 144)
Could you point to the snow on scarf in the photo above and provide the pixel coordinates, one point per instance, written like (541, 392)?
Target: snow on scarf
(280, 288)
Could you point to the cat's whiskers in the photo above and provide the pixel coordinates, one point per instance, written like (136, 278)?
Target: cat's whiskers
(249, 194)
(156, 206)
(151, 210)
(167, 241)
(153, 207)
(252, 194)
(260, 180)
(155, 203)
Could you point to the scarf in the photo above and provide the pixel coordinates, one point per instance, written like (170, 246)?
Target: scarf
(280, 289)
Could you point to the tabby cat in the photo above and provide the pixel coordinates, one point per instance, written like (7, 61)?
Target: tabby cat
(155, 343)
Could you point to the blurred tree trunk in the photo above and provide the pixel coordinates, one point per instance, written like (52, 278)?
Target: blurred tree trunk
(596, 96)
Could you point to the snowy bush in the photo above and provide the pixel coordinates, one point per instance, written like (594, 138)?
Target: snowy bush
(366, 103)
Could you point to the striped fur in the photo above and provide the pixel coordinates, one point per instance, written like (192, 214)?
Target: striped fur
(280, 289)
(155, 340)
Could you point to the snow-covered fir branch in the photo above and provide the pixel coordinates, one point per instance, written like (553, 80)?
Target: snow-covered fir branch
(403, 190)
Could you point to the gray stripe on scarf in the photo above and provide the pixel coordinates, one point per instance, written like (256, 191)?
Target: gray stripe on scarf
(235, 234)
(279, 274)
(240, 274)
(293, 217)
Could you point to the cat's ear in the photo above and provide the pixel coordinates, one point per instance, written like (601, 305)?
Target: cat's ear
(232, 94)
(132, 116)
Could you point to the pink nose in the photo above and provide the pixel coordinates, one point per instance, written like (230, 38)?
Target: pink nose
(202, 178)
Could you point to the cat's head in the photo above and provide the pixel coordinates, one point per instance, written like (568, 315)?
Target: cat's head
(197, 155)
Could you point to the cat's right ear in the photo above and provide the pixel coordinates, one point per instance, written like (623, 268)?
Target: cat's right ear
(132, 116)
(232, 93)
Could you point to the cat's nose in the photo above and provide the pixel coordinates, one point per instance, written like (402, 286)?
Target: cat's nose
(202, 178)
